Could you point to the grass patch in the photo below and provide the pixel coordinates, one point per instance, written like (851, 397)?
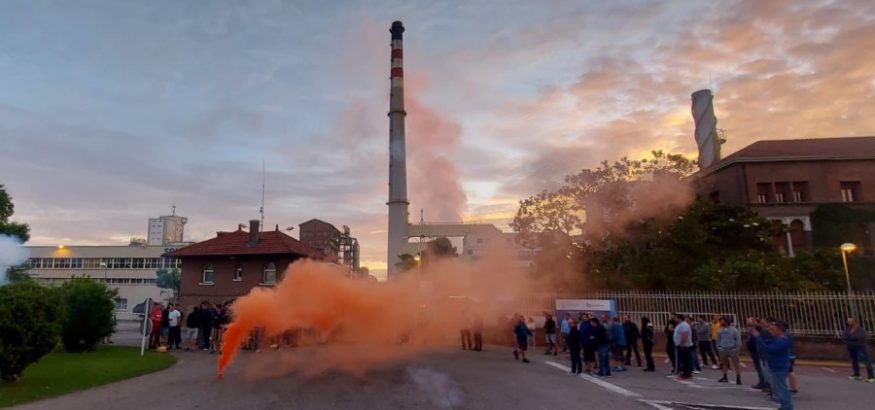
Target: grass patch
(60, 373)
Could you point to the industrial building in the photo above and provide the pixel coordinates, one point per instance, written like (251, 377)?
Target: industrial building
(335, 244)
(786, 180)
(130, 269)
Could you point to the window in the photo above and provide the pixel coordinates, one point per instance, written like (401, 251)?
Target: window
(800, 192)
(269, 274)
(121, 304)
(208, 275)
(851, 191)
(764, 191)
(782, 192)
(91, 263)
(238, 274)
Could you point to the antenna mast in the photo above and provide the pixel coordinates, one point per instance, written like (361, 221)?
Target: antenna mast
(261, 210)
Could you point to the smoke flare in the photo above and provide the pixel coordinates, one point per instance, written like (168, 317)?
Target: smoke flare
(356, 325)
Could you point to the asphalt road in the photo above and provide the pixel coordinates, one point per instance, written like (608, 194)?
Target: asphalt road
(451, 379)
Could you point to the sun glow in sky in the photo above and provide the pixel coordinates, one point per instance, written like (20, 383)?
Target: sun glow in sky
(112, 111)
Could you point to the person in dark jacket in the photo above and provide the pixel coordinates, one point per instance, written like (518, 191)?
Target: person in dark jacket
(207, 317)
(165, 325)
(522, 339)
(648, 342)
(589, 359)
(477, 328)
(599, 338)
(670, 348)
(632, 336)
(574, 346)
(550, 334)
(192, 331)
(855, 340)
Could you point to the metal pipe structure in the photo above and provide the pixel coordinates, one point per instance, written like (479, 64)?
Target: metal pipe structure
(706, 128)
(398, 204)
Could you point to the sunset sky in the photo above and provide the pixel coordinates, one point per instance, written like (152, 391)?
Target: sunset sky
(112, 111)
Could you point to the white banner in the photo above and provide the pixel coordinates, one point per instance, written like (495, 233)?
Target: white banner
(584, 305)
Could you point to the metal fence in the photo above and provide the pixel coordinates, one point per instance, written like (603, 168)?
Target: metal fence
(807, 313)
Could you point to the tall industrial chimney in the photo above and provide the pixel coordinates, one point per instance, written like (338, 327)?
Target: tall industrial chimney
(398, 226)
(706, 128)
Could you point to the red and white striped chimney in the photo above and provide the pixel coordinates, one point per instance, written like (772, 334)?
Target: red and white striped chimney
(398, 213)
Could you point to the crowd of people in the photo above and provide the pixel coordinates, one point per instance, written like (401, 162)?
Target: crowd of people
(601, 346)
(204, 326)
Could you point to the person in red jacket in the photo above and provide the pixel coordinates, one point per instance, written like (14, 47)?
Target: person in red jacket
(155, 316)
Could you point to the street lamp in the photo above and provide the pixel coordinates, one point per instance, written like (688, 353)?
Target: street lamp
(847, 248)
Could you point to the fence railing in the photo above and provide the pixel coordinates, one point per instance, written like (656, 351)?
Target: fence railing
(807, 313)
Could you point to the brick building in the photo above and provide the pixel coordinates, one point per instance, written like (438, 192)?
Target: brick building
(228, 266)
(320, 235)
(786, 180)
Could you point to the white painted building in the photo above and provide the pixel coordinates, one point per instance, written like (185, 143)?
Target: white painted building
(166, 229)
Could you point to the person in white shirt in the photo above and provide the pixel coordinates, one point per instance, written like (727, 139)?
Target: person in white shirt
(174, 319)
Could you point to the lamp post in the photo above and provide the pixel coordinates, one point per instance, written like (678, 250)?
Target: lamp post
(847, 248)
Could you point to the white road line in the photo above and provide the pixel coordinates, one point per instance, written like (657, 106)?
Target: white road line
(656, 405)
(828, 369)
(612, 387)
(666, 403)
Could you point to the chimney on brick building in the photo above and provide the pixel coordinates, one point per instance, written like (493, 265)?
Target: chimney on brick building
(253, 232)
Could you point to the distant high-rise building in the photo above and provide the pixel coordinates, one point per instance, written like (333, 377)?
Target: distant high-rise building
(166, 229)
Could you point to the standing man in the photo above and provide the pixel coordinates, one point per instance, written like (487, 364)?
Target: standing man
(728, 344)
(670, 347)
(599, 339)
(574, 345)
(465, 332)
(703, 331)
(207, 318)
(165, 325)
(550, 335)
(778, 348)
(585, 328)
(683, 340)
(522, 339)
(648, 341)
(174, 320)
(632, 336)
(855, 340)
(192, 325)
(565, 329)
(617, 334)
(155, 316)
(477, 326)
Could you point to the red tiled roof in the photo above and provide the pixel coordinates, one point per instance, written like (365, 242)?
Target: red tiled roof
(845, 147)
(237, 243)
(842, 148)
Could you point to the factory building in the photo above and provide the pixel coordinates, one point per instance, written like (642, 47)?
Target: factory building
(129, 269)
(335, 244)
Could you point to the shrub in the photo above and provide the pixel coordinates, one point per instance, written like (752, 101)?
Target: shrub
(88, 314)
(30, 317)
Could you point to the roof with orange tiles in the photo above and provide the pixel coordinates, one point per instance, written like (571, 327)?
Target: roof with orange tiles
(237, 243)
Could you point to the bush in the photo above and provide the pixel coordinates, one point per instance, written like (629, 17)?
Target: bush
(88, 307)
(30, 317)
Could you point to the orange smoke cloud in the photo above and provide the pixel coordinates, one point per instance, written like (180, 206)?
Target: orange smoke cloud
(356, 325)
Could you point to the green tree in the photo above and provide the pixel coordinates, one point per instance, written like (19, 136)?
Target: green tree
(30, 322)
(441, 248)
(406, 262)
(89, 313)
(168, 279)
(18, 230)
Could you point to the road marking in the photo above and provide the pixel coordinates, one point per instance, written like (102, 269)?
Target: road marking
(742, 364)
(828, 369)
(665, 405)
(594, 380)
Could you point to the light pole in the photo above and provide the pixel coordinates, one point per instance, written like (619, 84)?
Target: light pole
(847, 248)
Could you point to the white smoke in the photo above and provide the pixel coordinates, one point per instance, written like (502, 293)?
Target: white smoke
(438, 387)
(11, 254)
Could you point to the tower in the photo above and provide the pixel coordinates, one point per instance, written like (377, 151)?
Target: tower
(706, 128)
(398, 203)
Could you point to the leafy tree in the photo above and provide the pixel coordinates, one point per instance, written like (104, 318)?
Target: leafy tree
(30, 317)
(406, 262)
(168, 279)
(441, 248)
(89, 313)
(18, 230)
